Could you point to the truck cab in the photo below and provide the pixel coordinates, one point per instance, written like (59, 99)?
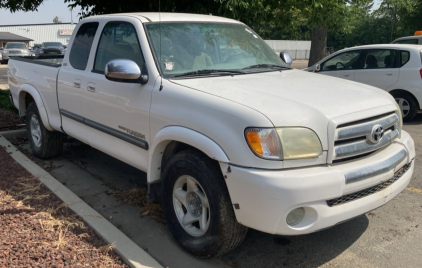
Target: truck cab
(229, 135)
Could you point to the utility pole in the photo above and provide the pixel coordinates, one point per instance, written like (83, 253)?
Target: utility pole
(71, 16)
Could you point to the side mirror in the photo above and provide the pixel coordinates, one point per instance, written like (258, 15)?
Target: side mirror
(126, 71)
(317, 68)
(286, 58)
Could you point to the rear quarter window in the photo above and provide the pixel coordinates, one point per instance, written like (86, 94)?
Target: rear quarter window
(421, 55)
(404, 57)
(81, 46)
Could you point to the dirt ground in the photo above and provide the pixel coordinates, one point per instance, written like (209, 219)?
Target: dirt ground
(39, 230)
(10, 120)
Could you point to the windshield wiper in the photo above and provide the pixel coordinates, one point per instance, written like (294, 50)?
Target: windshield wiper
(209, 71)
(266, 66)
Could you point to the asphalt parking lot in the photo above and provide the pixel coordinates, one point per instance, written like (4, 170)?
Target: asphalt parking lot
(390, 236)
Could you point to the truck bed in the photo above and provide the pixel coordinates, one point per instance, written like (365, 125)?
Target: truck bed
(52, 61)
(38, 74)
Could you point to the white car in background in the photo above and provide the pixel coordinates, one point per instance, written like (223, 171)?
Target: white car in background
(395, 68)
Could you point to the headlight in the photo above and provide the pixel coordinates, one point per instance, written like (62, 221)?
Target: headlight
(299, 143)
(41, 51)
(283, 143)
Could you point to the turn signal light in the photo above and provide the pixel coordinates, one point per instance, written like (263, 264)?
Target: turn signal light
(418, 33)
(254, 142)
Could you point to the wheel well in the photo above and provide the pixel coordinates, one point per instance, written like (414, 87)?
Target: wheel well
(401, 91)
(28, 99)
(172, 148)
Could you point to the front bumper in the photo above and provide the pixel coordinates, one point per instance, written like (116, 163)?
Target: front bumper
(7, 56)
(266, 197)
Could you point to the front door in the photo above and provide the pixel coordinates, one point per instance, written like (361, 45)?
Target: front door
(118, 112)
(72, 82)
(380, 69)
(343, 65)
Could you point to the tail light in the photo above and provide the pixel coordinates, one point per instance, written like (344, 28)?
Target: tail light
(420, 72)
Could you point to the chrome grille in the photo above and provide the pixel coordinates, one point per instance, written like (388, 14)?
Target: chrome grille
(353, 139)
(369, 191)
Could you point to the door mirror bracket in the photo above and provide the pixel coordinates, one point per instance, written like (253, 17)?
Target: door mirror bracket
(286, 58)
(317, 68)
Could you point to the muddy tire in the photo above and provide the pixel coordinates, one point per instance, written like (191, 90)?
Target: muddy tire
(197, 206)
(44, 143)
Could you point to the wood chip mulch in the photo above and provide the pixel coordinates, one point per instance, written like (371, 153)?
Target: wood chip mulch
(39, 230)
(10, 120)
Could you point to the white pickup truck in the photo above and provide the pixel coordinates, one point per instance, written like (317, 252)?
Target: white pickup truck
(230, 136)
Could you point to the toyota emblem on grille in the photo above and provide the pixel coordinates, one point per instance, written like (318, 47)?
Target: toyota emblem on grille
(376, 134)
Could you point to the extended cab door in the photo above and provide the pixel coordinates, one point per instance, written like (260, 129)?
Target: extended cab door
(380, 69)
(72, 83)
(343, 65)
(118, 112)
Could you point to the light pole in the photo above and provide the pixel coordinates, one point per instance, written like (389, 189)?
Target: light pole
(71, 15)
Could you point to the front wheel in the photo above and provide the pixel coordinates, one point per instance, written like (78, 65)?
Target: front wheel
(407, 104)
(197, 206)
(44, 143)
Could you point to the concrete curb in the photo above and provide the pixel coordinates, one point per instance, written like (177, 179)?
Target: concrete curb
(130, 252)
(20, 133)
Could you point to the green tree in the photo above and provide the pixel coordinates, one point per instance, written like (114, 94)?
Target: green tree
(56, 20)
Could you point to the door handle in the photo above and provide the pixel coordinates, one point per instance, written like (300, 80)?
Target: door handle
(389, 74)
(346, 75)
(91, 87)
(77, 83)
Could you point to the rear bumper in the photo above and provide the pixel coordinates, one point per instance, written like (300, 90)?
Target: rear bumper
(265, 197)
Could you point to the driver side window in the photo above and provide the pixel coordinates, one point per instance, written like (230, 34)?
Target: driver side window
(345, 61)
(118, 41)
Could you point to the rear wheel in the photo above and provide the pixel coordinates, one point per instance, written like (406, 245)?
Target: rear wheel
(44, 143)
(407, 104)
(197, 206)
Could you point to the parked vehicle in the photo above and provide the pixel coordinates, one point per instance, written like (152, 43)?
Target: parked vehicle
(396, 69)
(14, 49)
(410, 40)
(51, 48)
(1, 57)
(229, 135)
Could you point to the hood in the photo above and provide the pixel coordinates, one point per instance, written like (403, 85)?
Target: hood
(293, 97)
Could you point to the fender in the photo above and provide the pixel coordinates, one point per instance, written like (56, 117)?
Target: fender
(185, 135)
(416, 92)
(31, 90)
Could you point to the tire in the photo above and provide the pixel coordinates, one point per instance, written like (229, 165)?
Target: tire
(408, 105)
(221, 232)
(44, 143)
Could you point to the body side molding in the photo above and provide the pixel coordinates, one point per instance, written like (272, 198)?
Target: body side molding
(108, 130)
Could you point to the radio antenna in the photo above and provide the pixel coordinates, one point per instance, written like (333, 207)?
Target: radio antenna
(159, 59)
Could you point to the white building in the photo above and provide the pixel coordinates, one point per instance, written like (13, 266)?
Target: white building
(299, 50)
(49, 32)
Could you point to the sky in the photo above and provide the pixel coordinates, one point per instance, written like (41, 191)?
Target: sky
(45, 14)
(51, 8)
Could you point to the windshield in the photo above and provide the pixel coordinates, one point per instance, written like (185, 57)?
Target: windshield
(189, 47)
(52, 44)
(15, 45)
